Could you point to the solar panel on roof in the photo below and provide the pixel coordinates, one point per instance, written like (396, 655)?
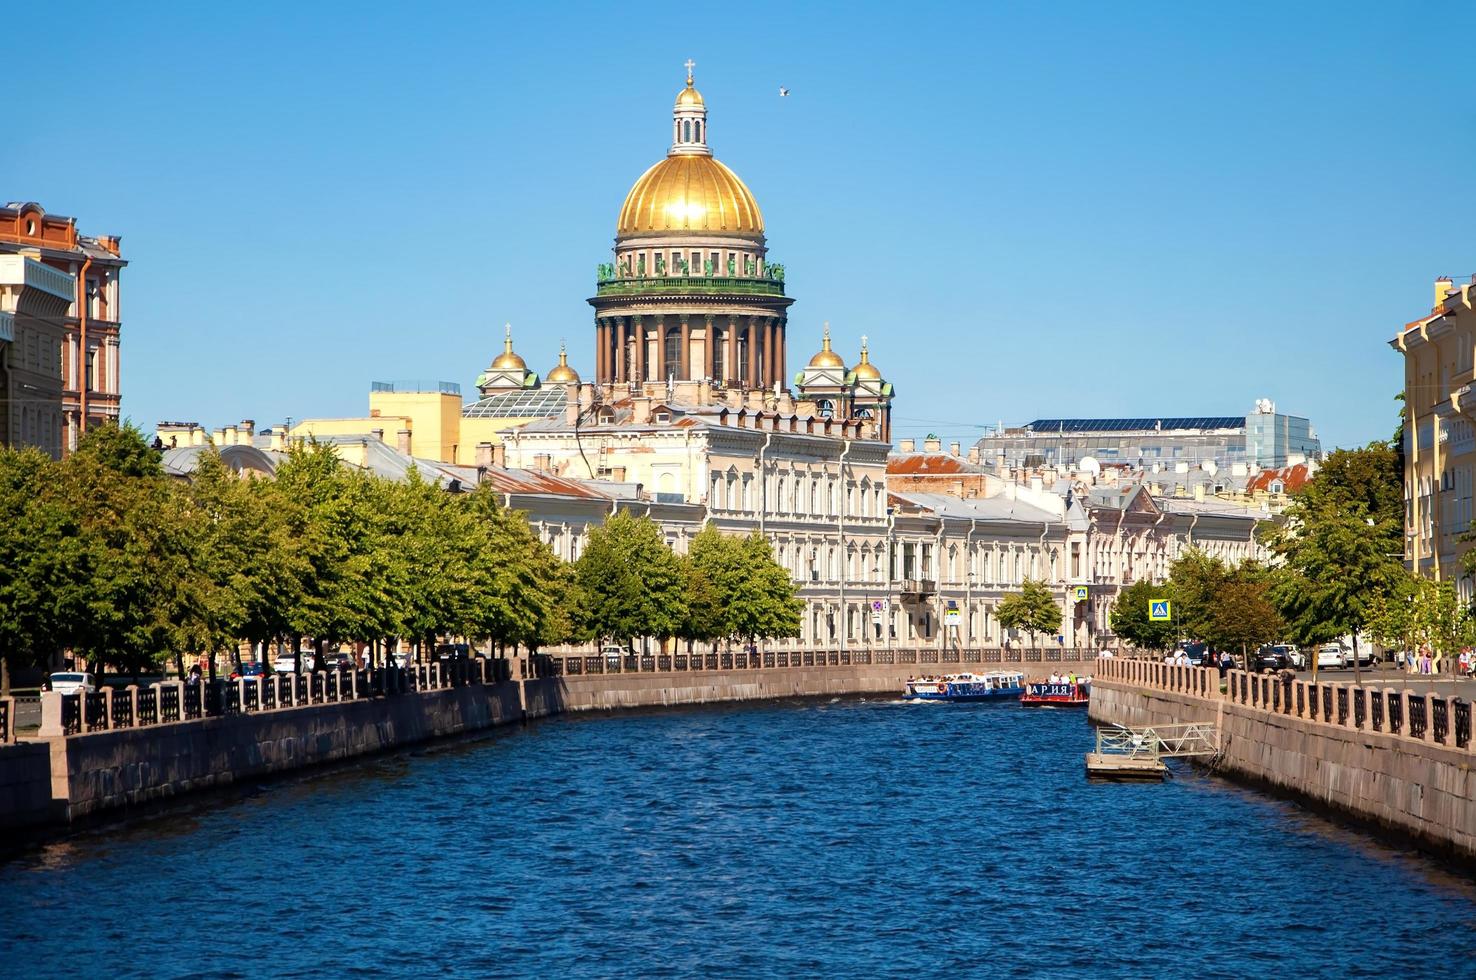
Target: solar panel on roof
(1166, 424)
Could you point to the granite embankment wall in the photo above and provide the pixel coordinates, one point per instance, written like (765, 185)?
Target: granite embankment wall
(117, 749)
(1399, 761)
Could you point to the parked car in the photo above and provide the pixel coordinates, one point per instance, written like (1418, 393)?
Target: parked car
(1279, 656)
(67, 682)
(283, 663)
(1273, 658)
(1331, 656)
(249, 672)
(335, 660)
(613, 654)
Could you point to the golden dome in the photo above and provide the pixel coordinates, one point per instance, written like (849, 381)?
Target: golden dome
(507, 360)
(689, 192)
(563, 374)
(866, 371)
(827, 358)
(689, 96)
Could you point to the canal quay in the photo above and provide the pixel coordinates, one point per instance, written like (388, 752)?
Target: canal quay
(815, 836)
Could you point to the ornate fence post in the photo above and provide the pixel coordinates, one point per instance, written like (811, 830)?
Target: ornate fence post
(51, 715)
(132, 695)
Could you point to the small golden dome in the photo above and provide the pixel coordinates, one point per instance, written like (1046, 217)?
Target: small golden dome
(689, 96)
(507, 360)
(563, 374)
(689, 192)
(827, 358)
(866, 371)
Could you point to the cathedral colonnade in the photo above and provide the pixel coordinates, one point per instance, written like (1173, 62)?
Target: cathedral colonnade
(729, 350)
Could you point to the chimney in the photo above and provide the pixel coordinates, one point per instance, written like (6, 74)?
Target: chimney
(932, 444)
(279, 439)
(954, 449)
(906, 446)
(1199, 491)
(228, 436)
(248, 431)
(1444, 286)
(586, 396)
(571, 405)
(640, 410)
(377, 433)
(484, 454)
(197, 435)
(974, 455)
(499, 454)
(402, 441)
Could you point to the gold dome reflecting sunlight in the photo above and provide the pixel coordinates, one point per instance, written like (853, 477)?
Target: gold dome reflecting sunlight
(689, 193)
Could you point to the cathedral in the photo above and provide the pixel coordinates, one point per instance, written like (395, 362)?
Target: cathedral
(691, 310)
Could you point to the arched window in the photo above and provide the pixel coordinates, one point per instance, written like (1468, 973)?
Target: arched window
(686, 130)
(699, 130)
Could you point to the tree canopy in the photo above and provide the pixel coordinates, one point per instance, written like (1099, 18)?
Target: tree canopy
(1033, 609)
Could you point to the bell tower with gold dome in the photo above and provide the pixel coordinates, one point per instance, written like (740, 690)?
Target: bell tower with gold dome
(691, 295)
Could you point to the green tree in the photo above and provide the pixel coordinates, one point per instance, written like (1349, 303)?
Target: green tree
(765, 605)
(632, 581)
(1032, 609)
(28, 532)
(1197, 580)
(1243, 616)
(116, 556)
(1341, 547)
(1130, 616)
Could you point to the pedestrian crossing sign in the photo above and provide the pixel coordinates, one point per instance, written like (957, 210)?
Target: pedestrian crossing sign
(1081, 593)
(1160, 610)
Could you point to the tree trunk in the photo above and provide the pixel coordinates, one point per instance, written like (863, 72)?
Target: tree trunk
(4, 676)
(1357, 670)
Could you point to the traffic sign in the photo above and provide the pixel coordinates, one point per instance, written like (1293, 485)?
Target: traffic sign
(1160, 610)
(1081, 593)
(952, 617)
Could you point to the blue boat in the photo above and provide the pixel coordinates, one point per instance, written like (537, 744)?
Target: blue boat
(997, 685)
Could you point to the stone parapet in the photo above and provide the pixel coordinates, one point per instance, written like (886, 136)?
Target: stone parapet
(1400, 760)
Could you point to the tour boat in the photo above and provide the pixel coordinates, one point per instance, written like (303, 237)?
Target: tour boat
(1063, 695)
(995, 685)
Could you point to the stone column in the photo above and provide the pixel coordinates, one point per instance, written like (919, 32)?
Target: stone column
(730, 352)
(709, 344)
(684, 370)
(662, 368)
(769, 332)
(639, 326)
(620, 343)
(132, 695)
(781, 353)
(600, 349)
(750, 372)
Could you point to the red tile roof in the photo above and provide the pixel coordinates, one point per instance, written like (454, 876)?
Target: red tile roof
(1292, 478)
(930, 464)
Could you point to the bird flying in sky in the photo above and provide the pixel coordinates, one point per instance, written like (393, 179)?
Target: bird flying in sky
(783, 91)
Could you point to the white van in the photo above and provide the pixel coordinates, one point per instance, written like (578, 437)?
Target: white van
(1330, 656)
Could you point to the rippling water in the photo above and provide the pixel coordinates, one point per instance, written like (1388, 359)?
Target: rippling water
(843, 838)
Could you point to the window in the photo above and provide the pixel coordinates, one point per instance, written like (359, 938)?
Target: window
(699, 130)
(686, 130)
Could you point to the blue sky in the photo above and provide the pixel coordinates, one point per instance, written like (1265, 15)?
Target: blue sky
(1032, 210)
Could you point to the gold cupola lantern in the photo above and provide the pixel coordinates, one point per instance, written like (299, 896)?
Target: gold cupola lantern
(563, 374)
(507, 360)
(827, 358)
(866, 371)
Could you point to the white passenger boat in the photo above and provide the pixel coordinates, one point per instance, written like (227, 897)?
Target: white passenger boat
(992, 686)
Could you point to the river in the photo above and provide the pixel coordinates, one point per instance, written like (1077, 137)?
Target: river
(783, 838)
